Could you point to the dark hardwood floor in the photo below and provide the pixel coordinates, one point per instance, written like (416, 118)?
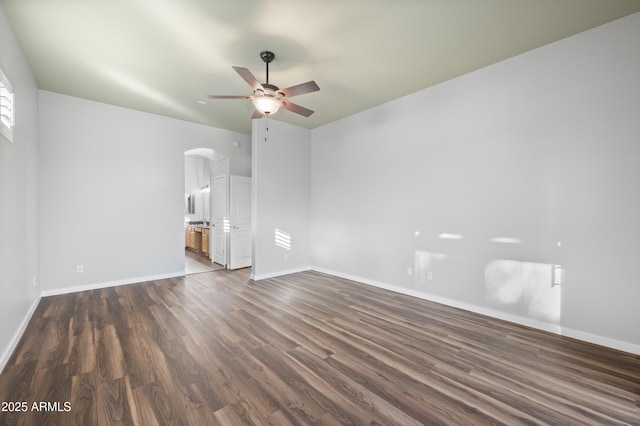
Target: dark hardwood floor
(217, 348)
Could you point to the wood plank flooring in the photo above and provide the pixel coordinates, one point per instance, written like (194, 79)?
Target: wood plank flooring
(198, 262)
(219, 349)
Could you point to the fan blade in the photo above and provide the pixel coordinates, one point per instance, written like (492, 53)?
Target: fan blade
(296, 108)
(249, 78)
(300, 89)
(227, 97)
(257, 114)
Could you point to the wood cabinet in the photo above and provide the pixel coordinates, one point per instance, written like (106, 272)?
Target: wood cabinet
(197, 238)
(205, 241)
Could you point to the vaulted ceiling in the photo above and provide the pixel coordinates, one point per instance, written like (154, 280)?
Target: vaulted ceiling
(165, 56)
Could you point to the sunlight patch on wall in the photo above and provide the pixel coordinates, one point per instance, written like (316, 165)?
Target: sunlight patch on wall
(527, 286)
(282, 239)
(506, 240)
(424, 264)
(449, 236)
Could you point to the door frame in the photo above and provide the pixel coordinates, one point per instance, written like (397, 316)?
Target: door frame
(241, 222)
(220, 226)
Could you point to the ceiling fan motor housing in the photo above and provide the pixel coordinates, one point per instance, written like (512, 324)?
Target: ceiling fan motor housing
(271, 88)
(267, 56)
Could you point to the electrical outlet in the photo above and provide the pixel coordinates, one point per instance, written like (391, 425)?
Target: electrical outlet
(429, 275)
(80, 269)
(409, 271)
(35, 281)
(286, 256)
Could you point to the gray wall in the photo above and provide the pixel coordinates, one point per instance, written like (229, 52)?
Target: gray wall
(281, 200)
(112, 190)
(489, 180)
(18, 197)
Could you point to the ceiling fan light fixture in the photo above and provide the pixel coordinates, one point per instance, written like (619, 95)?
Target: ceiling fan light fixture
(268, 98)
(267, 104)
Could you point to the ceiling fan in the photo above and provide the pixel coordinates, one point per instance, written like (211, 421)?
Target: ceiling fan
(268, 98)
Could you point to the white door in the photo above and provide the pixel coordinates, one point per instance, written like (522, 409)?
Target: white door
(219, 220)
(240, 238)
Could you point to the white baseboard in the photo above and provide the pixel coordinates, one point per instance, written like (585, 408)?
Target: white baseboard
(279, 273)
(115, 283)
(18, 334)
(539, 325)
(602, 341)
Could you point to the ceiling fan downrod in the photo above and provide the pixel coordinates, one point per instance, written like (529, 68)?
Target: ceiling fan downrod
(267, 57)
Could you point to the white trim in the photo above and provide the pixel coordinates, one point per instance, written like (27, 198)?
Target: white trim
(55, 292)
(13, 343)
(539, 325)
(602, 341)
(280, 273)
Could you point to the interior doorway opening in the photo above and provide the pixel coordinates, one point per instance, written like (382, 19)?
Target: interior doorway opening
(217, 214)
(201, 165)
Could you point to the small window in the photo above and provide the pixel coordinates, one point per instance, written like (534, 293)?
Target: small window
(7, 108)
